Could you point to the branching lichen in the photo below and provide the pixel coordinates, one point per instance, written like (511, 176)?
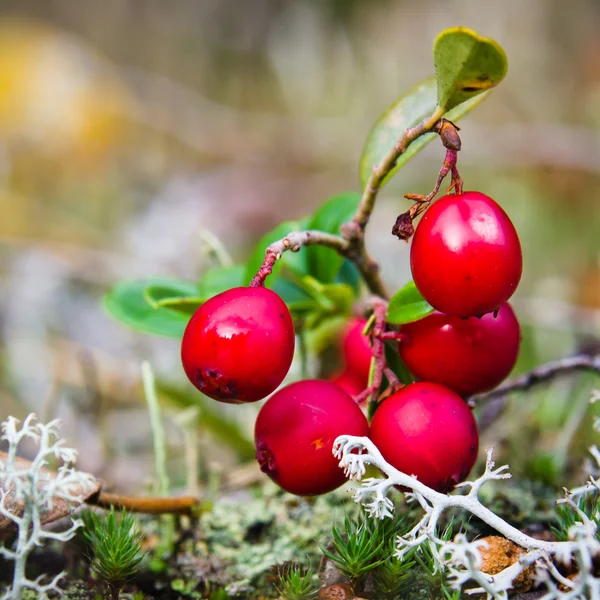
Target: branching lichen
(29, 491)
(461, 558)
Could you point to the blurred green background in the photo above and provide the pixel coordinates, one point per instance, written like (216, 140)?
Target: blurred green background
(128, 127)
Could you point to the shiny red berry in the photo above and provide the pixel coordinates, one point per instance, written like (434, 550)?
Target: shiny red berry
(295, 431)
(239, 345)
(469, 356)
(465, 255)
(357, 349)
(429, 431)
(350, 382)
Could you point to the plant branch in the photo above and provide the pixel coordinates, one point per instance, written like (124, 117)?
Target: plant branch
(380, 171)
(580, 362)
(297, 239)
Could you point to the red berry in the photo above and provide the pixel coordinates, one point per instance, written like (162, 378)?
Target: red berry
(357, 349)
(295, 431)
(349, 382)
(465, 255)
(239, 345)
(427, 430)
(467, 355)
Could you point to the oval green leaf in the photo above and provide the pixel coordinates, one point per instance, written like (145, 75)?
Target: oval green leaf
(407, 305)
(219, 279)
(127, 303)
(409, 110)
(466, 65)
(176, 294)
(324, 264)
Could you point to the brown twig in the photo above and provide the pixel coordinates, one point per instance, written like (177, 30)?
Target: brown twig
(580, 362)
(294, 241)
(403, 228)
(150, 505)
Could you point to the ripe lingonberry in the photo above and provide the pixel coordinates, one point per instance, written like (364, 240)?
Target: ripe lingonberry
(356, 349)
(239, 345)
(356, 354)
(469, 356)
(465, 255)
(295, 431)
(350, 382)
(429, 431)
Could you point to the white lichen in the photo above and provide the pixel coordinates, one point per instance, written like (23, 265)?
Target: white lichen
(461, 558)
(29, 491)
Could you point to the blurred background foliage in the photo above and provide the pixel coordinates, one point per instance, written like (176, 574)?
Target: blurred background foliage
(128, 128)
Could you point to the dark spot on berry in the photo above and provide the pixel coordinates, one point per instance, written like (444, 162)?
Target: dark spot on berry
(212, 382)
(470, 88)
(266, 459)
(468, 278)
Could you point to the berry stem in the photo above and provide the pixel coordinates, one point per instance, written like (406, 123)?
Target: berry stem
(378, 334)
(403, 228)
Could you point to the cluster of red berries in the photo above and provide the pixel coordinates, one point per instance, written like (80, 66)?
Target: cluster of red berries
(466, 262)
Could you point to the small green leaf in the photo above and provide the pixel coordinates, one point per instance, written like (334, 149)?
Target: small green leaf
(407, 305)
(156, 293)
(409, 110)
(324, 264)
(466, 65)
(220, 279)
(127, 303)
(177, 295)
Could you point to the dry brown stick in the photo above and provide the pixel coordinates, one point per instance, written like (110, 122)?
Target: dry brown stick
(579, 362)
(150, 505)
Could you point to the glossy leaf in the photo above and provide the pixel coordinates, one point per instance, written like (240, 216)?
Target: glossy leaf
(127, 303)
(324, 264)
(407, 305)
(466, 65)
(219, 279)
(177, 295)
(410, 109)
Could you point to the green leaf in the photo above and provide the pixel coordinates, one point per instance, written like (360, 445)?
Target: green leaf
(220, 279)
(127, 303)
(466, 65)
(350, 275)
(324, 264)
(409, 110)
(407, 305)
(177, 295)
